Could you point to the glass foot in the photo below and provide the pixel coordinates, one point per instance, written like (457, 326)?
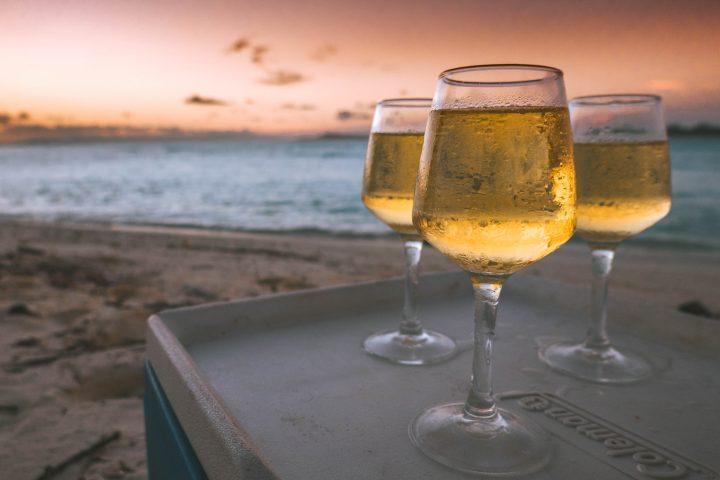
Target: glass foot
(601, 365)
(501, 445)
(423, 349)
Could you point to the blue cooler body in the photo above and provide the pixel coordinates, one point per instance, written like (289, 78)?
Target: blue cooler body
(169, 453)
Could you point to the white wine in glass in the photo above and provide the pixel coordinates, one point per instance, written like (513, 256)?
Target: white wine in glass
(623, 188)
(391, 166)
(495, 193)
(390, 178)
(623, 179)
(498, 190)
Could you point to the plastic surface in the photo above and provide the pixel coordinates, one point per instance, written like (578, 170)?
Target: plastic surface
(169, 452)
(279, 387)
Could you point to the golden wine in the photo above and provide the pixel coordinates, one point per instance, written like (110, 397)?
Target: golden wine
(623, 188)
(496, 188)
(389, 181)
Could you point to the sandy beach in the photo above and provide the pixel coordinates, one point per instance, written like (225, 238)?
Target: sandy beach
(75, 299)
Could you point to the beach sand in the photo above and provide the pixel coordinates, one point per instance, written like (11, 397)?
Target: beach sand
(75, 299)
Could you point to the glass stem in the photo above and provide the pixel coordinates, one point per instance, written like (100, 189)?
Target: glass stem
(602, 259)
(480, 401)
(410, 324)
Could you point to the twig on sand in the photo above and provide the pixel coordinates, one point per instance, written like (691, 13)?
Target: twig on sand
(52, 470)
(19, 365)
(9, 409)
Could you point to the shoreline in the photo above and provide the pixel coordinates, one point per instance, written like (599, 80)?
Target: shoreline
(239, 232)
(648, 269)
(186, 228)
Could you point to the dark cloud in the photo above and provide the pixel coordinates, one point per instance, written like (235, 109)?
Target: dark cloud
(348, 115)
(303, 107)
(282, 77)
(257, 51)
(365, 105)
(323, 52)
(7, 118)
(258, 54)
(205, 101)
(238, 45)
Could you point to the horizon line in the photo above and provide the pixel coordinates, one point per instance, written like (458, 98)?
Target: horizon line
(36, 134)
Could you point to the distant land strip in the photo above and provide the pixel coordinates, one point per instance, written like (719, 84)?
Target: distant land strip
(701, 129)
(40, 134)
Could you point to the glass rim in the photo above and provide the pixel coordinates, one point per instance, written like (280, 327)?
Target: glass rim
(551, 73)
(616, 99)
(409, 102)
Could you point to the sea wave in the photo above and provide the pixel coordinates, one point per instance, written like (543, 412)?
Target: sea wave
(273, 185)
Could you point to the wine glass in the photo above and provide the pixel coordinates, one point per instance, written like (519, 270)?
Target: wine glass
(495, 193)
(391, 166)
(623, 181)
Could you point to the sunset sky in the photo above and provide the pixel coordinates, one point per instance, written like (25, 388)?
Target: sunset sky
(294, 66)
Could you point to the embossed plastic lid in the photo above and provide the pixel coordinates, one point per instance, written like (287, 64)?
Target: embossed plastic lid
(280, 385)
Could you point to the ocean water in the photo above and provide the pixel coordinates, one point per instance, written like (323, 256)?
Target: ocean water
(272, 185)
